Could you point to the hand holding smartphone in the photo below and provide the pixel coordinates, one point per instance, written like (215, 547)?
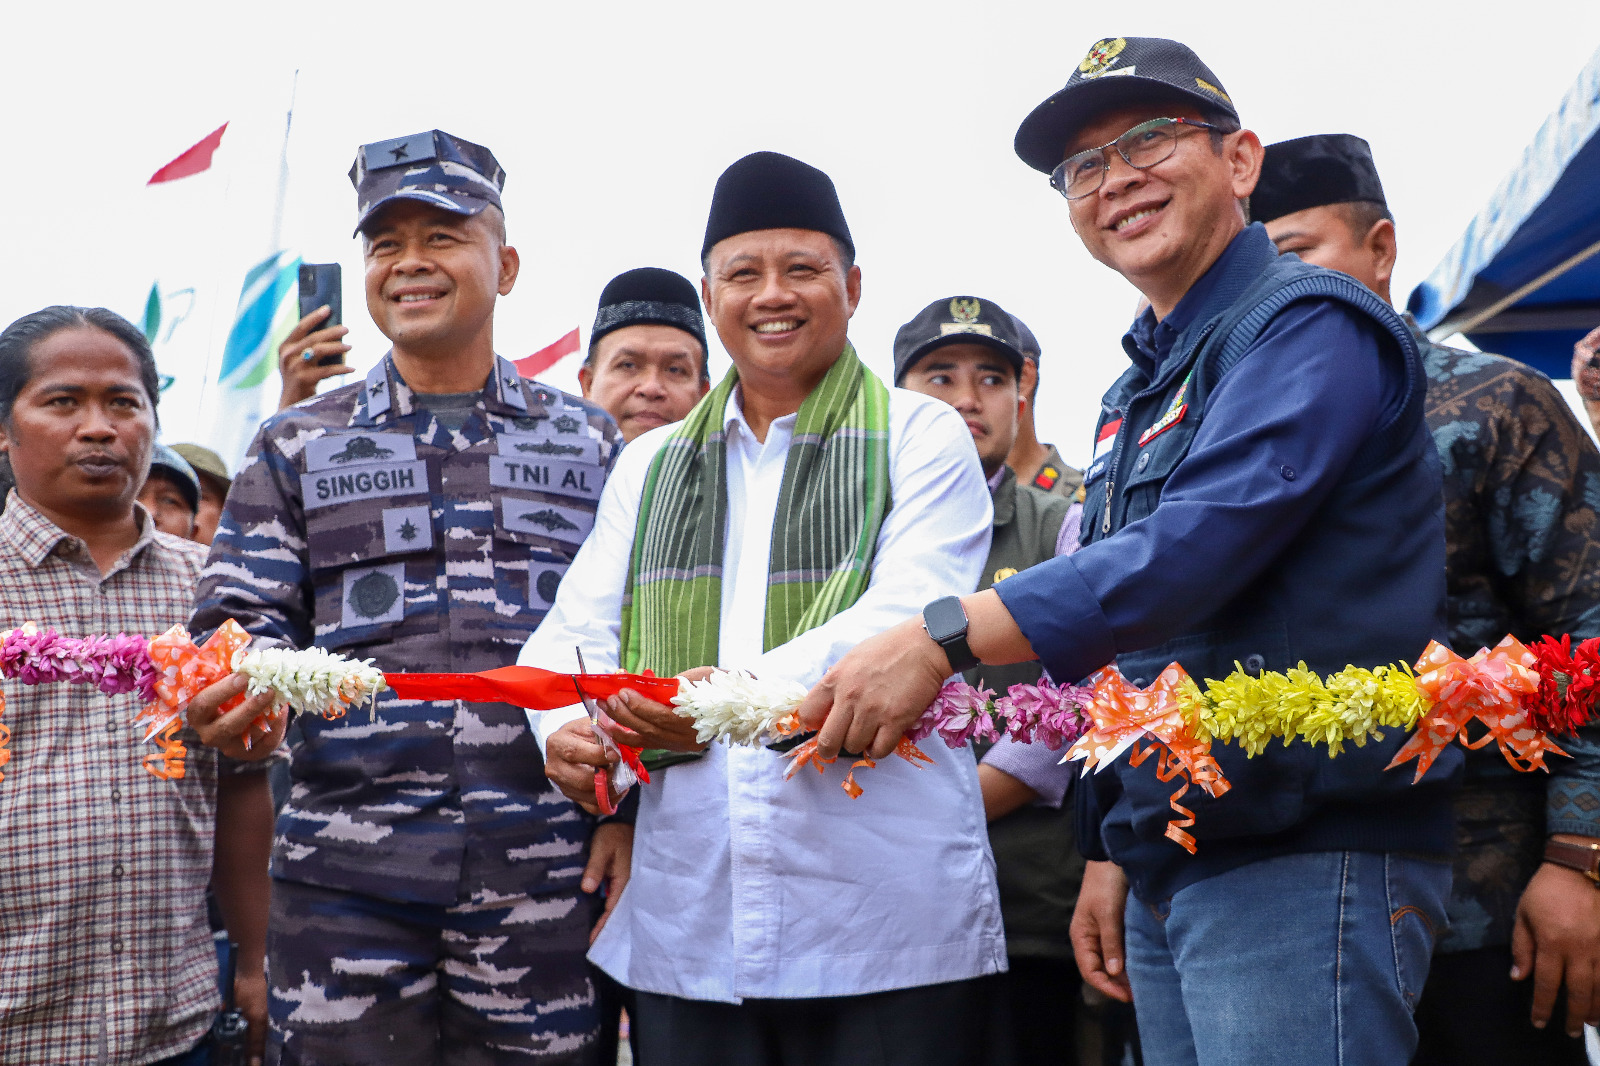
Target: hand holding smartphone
(321, 285)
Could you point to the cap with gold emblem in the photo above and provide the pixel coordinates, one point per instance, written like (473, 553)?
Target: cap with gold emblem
(956, 320)
(1118, 71)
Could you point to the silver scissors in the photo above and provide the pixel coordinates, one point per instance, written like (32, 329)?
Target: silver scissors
(625, 778)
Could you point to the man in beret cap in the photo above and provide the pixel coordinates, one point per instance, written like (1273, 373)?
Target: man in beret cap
(802, 506)
(1264, 492)
(1036, 464)
(971, 354)
(1520, 909)
(214, 485)
(433, 894)
(171, 492)
(647, 352)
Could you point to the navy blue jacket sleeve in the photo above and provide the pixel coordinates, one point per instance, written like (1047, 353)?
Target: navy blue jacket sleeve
(1278, 433)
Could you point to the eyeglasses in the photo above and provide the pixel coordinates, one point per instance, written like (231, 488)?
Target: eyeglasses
(1142, 147)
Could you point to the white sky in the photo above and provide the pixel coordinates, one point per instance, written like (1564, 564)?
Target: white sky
(613, 121)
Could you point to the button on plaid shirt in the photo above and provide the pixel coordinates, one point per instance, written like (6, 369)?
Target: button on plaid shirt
(105, 952)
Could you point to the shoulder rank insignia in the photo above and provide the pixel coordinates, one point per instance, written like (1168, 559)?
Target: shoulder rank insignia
(1047, 478)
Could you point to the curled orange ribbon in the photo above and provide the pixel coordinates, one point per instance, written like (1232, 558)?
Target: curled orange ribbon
(805, 754)
(184, 671)
(5, 739)
(1492, 687)
(1123, 714)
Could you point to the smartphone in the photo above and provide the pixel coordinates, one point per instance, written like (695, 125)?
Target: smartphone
(320, 284)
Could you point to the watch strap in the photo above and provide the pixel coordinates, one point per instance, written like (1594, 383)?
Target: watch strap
(1585, 858)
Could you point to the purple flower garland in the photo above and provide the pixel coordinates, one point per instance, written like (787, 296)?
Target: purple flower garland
(1046, 713)
(114, 665)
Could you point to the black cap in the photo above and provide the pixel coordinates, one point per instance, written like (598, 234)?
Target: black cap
(649, 296)
(765, 190)
(432, 167)
(958, 320)
(1026, 340)
(1118, 71)
(177, 468)
(1326, 168)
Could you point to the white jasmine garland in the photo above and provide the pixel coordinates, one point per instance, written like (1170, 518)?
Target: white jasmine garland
(310, 679)
(732, 705)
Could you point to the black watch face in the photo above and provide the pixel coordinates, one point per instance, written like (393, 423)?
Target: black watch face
(945, 619)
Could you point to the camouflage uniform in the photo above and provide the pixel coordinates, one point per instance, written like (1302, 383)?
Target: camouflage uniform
(365, 525)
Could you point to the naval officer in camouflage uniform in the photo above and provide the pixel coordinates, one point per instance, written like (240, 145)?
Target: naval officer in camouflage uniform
(429, 904)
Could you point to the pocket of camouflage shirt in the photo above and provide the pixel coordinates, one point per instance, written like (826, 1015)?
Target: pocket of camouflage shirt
(364, 554)
(535, 538)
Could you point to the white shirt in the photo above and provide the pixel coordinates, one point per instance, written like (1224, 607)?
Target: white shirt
(747, 885)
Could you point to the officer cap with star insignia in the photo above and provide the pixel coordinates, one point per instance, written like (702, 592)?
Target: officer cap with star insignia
(432, 168)
(1116, 72)
(956, 320)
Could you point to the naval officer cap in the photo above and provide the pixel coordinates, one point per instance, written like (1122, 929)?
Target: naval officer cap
(1316, 171)
(1117, 72)
(766, 190)
(957, 320)
(649, 296)
(432, 168)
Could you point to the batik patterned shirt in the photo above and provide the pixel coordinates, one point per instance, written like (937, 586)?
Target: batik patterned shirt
(105, 951)
(363, 524)
(1522, 525)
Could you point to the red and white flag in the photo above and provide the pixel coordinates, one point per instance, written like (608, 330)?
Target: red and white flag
(192, 161)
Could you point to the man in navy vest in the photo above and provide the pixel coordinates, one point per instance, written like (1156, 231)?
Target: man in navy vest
(1264, 491)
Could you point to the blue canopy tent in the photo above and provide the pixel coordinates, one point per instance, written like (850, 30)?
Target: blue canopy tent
(1524, 279)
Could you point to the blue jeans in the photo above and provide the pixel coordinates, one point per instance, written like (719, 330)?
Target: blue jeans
(1303, 960)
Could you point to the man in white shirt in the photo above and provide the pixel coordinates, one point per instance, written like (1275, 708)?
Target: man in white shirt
(774, 921)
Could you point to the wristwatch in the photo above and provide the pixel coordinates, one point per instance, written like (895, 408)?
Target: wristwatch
(945, 622)
(1584, 858)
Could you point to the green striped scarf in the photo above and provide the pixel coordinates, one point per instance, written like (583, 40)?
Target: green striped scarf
(834, 496)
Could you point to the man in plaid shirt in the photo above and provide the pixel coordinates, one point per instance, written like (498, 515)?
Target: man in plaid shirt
(105, 950)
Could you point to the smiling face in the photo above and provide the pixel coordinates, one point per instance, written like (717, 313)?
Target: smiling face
(645, 376)
(80, 432)
(1162, 227)
(432, 278)
(981, 384)
(781, 300)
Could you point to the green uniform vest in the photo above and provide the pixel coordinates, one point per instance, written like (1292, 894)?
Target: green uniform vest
(1036, 856)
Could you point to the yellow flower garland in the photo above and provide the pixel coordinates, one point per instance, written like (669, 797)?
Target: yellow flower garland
(1352, 705)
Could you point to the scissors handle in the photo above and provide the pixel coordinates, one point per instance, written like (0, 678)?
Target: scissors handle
(602, 792)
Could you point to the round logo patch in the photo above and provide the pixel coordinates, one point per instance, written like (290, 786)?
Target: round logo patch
(1101, 56)
(547, 584)
(371, 595)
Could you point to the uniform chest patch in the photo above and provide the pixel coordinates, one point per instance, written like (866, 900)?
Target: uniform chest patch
(546, 446)
(569, 525)
(336, 451)
(562, 476)
(544, 581)
(323, 488)
(373, 595)
(1173, 415)
(407, 529)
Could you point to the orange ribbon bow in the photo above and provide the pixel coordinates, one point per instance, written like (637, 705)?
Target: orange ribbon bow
(1124, 713)
(185, 670)
(1492, 687)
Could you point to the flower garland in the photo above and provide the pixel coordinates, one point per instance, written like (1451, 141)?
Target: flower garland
(733, 706)
(171, 670)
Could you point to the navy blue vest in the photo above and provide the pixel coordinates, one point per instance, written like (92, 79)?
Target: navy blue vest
(1362, 584)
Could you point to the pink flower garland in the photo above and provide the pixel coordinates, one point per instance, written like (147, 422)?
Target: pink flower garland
(1046, 713)
(114, 665)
